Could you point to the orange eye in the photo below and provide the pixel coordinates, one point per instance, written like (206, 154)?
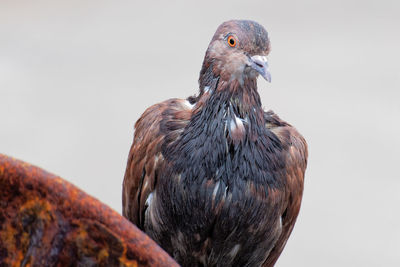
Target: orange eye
(231, 41)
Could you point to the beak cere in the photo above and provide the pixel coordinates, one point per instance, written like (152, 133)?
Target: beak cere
(260, 64)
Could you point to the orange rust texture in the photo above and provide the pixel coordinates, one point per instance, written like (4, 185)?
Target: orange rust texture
(46, 221)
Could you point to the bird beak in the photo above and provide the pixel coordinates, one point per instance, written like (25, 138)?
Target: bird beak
(260, 64)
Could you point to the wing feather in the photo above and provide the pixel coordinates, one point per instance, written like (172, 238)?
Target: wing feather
(296, 153)
(145, 156)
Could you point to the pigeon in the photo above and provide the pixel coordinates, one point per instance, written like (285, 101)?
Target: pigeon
(214, 179)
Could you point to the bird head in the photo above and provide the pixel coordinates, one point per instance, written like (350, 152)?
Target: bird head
(238, 51)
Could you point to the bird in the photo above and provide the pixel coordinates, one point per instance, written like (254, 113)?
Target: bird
(213, 178)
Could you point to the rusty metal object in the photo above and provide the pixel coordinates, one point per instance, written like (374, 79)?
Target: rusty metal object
(46, 221)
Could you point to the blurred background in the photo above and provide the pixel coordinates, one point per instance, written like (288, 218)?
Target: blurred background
(76, 75)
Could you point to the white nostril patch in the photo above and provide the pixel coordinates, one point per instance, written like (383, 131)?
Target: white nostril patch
(259, 60)
(258, 64)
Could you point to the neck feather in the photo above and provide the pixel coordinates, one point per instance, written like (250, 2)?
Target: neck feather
(216, 94)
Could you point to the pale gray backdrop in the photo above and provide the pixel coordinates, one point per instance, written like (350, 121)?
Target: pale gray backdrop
(76, 75)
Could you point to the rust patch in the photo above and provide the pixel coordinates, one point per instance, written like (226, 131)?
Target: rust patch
(45, 220)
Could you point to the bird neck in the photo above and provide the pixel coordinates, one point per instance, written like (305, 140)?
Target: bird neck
(218, 94)
(225, 135)
(226, 129)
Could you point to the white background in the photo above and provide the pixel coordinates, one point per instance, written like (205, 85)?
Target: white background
(76, 75)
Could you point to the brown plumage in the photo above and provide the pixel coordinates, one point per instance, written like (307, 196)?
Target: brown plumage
(214, 179)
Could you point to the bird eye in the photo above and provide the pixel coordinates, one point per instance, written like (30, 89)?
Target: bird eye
(231, 41)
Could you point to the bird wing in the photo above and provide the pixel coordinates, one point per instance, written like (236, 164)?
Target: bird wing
(159, 123)
(44, 220)
(296, 153)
